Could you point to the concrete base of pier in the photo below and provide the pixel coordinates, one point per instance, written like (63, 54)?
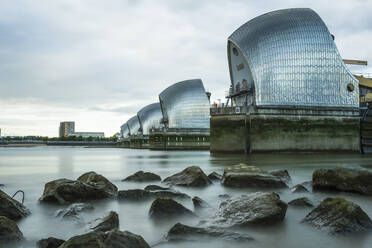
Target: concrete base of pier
(179, 140)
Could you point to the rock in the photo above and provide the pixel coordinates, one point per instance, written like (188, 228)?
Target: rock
(199, 203)
(50, 243)
(141, 176)
(214, 176)
(111, 239)
(301, 202)
(338, 216)
(73, 210)
(89, 186)
(282, 174)
(140, 194)
(168, 208)
(343, 179)
(224, 196)
(9, 231)
(2, 185)
(155, 188)
(299, 189)
(191, 176)
(11, 208)
(255, 208)
(180, 232)
(108, 223)
(250, 176)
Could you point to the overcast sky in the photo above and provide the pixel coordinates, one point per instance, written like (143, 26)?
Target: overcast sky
(98, 62)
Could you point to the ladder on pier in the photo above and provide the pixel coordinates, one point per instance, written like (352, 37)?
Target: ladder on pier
(366, 130)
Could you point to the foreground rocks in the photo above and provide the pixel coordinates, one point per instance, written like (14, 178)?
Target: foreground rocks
(301, 202)
(299, 188)
(199, 203)
(73, 210)
(141, 176)
(250, 176)
(256, 208)
(11, 208)
(49, 243)
(111, 239)
(214, 176)
(282, 174)
(140, 194)
(343, 179)
(168, 208)
(9, 231)
(108, 223)
(338, 216)
(89, 186)
(191, 176)
(155, 188)
(180, 232)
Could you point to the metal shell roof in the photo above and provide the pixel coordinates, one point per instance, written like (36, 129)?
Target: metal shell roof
(124, 131)
(150, 117)
(134, 125)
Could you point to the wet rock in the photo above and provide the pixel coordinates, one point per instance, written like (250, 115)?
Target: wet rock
(338, 216)
(199, 203)
(180, 232)
(50, 243)
(168, 208)
(214, 176)
(2, 185)
(108, 223)
(111, 239)
(255, 208)
(343, 179)
(224, 196)
(155, 188)
(11, 208)
(301, 202)
(191, 176)
(140, 194)
(282, 174)
(89, 186)
(299, 189)
(9, 231)
(250, 176)
(73, 210)
(141, 176)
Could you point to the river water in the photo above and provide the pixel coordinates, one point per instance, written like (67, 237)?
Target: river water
(30, 168)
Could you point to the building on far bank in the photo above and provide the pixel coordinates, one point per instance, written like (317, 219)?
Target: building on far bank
(88, 134)
(66, 128)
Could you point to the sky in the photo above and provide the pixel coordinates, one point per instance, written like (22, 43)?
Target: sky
(98, 62)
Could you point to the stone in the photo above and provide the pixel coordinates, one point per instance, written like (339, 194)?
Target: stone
(141, 176)
(73, 210)
(343, 179)
(110, 239)
(89, 186)
(299, 189)
(11, 208)
(224, 196)
(301, 202)
(256, 208)
(168, 208)
(50, 243)
(191, 176)
(180, 232)
(2, 185)
(214, 176)
(155, 188)
(199, 203)
(338, 216)
(9, 231)
(108, 223)
(282, 174)
(250, 176)
(140, 194)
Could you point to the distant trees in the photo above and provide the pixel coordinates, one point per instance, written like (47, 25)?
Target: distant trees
(45, 138)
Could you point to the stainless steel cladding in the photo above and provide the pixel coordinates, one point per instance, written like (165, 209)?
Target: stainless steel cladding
(124, 131)
(288, 58)
(134, 125)
(150, 117)
(185, 105)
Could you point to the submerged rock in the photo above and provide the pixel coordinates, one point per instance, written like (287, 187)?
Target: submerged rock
(180, 232)
(141, 176)
(250, 176)
(168, 208)
(191, 176)
(89, 186)
(9, 231)
(255, 208)
(73, 210)
(199, 203)
(338, 216)
(49, 243)
(111, 239)
(299, 189)
(214, 176)
(11, 208)
(224, 196)
(301, 202)
(343, 179)
(155, 188)
(140, 194)
(108, 223)
(282, 174)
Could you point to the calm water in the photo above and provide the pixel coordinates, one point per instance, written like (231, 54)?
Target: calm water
(30, 168)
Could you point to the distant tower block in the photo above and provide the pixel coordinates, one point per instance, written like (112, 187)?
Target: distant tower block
(66, 128)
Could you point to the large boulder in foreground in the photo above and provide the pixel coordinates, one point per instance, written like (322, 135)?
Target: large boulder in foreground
(141, 176)
(191, 176)
(111, 239)
(168, 208)
(338, 216)
(180, 232)
(49, 243)
(89, 186)
(108, 223)
(343, 179)
(140, 194)
(9, 231)
(250, 176)
(11, 208)
(255, 208)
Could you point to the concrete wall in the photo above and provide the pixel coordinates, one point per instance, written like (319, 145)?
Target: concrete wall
(179, 141)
